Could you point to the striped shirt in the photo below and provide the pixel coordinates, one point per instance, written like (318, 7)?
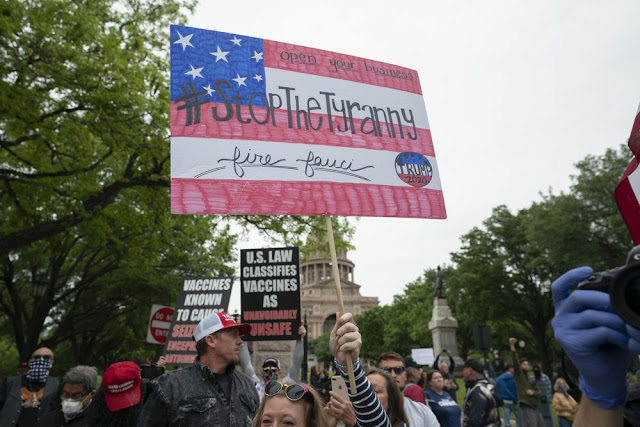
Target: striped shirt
(369, 411)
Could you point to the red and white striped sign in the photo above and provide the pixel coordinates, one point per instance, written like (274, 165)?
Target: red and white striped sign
(261, 127)
(628, 190)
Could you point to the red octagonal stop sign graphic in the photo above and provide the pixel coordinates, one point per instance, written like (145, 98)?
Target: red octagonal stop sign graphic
(159, 324)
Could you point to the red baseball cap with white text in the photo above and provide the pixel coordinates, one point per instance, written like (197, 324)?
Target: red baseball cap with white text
(121, 385)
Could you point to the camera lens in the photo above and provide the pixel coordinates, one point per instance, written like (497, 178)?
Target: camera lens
(625, 295)
(632, 295)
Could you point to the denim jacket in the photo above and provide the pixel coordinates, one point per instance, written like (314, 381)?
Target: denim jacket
(190, 397)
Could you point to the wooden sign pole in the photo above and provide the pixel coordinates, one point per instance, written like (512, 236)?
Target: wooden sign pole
(336, 276)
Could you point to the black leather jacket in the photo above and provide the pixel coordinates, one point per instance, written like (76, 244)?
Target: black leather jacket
(11, 399)
(480, 409)
(190, 397)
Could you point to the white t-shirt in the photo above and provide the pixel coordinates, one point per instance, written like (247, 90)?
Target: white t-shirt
(419, 415)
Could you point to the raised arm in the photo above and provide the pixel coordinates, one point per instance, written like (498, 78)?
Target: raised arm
(345, 339)
(245, 362)
(452, 367)
(298, 356)
(523, 385)
(435, 363)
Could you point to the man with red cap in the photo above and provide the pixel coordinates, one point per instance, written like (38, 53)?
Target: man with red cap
(209, 392)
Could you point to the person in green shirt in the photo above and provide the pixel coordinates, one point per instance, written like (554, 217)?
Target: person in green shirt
(528, 394)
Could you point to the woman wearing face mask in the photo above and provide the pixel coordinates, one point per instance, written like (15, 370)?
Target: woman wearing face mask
(78, 388)
(563, 403)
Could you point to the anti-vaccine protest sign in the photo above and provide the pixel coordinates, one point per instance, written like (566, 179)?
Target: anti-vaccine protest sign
(198, 298)
(270, 293)
(263, 127)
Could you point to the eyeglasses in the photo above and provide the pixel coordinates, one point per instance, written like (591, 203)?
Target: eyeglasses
(396, 369)
(75, 396)
(294, 392)
(270, 368)
(41, 356)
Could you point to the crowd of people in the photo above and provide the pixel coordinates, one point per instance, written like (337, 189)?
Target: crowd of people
(36, 398)
(397, 392)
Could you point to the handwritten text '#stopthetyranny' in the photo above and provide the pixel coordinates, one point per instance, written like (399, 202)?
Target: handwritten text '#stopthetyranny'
(378, 121)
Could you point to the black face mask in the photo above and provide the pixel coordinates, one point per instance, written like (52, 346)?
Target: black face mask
(536, 373)
(270, 373)
(39, 370)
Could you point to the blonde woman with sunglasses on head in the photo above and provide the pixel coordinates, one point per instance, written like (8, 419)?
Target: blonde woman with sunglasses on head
(297, 405)
(291, 405)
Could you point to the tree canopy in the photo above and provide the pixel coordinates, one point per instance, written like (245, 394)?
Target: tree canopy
(84, 180)
(502, 273)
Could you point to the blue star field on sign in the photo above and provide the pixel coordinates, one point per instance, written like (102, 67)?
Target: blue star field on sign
(200, 57)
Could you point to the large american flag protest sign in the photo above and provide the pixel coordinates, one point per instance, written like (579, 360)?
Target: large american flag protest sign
(628, 189)
(263, 127)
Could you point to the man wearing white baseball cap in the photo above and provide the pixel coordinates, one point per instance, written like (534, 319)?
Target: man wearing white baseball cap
(209, 392)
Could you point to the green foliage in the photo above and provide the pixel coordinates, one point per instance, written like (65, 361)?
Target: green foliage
(8, 357)
(84, 175)
(407, 319)
(504, 269)
(404, 324)
(84, 180)
(371, 325)
(321, 348)
(292, 230)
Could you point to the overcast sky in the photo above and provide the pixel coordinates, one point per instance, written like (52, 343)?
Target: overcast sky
(516, 93)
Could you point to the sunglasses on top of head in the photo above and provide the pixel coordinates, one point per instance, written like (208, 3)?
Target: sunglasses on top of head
(293, 392)
(396, 369)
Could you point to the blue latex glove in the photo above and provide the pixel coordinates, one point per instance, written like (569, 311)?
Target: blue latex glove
(595, 339)
(634, 340)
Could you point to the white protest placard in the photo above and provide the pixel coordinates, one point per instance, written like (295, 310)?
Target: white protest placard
(423, 356)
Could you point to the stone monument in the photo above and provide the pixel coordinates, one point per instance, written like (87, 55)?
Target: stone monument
(443, 325)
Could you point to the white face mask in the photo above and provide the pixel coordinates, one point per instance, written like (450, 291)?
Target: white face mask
(71, 407)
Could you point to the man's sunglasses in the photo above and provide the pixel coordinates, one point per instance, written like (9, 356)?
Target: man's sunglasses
(41, 356)
(294, 392)
(396, 369)
(269, 368)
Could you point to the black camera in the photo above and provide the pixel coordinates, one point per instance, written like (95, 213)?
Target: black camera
(151, 371)
(623, 286)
